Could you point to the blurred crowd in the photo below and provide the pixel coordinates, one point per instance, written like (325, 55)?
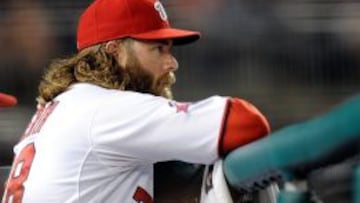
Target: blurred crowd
(293, 59)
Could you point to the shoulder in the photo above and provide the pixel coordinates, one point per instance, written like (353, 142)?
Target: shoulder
(111, 98)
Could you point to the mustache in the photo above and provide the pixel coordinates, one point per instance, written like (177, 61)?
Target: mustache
(167, 79)
(162, 86)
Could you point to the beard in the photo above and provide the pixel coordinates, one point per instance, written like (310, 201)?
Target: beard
(141, 80)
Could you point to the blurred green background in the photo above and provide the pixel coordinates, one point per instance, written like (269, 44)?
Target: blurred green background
(294, 59)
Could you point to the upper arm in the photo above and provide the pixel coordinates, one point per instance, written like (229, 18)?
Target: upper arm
(151, 129)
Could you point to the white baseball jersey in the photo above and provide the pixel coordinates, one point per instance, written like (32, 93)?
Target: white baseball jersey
(98, 145)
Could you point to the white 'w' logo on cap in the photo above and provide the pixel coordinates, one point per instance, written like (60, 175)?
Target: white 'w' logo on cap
(160, 8)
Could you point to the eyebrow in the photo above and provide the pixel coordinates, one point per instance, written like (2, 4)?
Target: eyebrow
(165, 42)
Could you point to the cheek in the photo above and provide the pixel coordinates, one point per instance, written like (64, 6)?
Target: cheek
(154, 66)
(152, 62)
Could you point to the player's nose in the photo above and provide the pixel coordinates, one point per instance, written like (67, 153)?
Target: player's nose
(171, 63)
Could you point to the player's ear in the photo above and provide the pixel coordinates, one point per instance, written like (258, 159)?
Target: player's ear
(116, 49)
(111, 47)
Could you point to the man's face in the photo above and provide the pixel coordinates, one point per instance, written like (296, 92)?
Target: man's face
(151, 67)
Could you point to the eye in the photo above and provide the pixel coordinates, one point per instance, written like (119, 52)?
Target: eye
(160, 48)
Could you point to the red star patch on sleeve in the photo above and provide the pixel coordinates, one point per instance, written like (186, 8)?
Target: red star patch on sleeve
(180, 106)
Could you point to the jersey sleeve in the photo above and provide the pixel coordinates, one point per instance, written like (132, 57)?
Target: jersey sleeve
(243, 123)
(148, 129)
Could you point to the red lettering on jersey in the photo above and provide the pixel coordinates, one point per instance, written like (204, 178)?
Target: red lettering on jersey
(14, 187)
(141, 196)
(39, 119)
(19, 174)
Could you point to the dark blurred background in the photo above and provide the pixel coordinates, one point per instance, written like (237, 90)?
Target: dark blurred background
(293, 59)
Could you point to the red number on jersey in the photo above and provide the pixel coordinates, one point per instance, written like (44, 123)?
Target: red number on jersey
(18, 175)
(14, 187)
(141, 196)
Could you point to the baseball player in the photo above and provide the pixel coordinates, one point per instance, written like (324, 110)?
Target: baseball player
(106, 115)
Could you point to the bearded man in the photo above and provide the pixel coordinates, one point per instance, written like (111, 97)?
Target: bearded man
(106, 115)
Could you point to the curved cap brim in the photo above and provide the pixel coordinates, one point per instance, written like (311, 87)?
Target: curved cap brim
(7, 100)
(178, 36)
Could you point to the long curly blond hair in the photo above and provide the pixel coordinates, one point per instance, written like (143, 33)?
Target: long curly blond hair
(92, 65)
